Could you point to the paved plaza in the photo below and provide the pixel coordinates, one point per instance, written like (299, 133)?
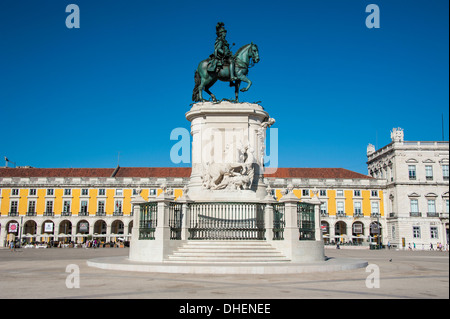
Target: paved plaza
(49, 273)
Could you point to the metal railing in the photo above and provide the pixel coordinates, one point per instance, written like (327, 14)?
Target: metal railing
(175, 220)
(305, 221)
(148, 220)
(226, 221)
(279, 221)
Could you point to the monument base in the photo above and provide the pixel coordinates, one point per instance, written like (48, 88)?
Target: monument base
(328, 265)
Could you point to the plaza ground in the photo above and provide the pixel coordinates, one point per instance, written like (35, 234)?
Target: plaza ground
(41, 273)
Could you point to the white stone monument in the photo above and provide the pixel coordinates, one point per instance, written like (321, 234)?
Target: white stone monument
(227, 151)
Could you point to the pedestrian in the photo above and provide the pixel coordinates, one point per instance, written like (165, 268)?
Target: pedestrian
(11, 245)
(389, 245)
(431, 246)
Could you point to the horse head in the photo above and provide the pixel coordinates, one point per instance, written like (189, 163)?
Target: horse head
(253, 52)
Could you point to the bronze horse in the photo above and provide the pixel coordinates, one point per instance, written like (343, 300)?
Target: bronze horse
(205, 79)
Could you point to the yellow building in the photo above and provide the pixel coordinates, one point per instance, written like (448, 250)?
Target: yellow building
(61, 205)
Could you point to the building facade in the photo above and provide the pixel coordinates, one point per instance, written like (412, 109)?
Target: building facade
(38, 204)
(404, 200)
(417, 190)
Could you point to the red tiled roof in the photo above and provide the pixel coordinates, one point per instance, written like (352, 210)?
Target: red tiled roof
(284, 172)
(56, 172)
(300, 172)
(154, 172)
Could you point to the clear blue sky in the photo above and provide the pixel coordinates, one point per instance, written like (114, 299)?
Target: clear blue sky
(123, 81)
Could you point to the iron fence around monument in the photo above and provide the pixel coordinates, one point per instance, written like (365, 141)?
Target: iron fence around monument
(279, 221)
(226, 221)
(148, 220)
(305, 221)
(175, 220)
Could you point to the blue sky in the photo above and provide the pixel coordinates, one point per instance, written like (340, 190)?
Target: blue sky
(123, 81)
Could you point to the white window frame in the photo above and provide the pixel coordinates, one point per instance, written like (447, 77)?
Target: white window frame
(416, 232)
(338, 212)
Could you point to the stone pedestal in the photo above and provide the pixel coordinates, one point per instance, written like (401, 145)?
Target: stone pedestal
(227, 151)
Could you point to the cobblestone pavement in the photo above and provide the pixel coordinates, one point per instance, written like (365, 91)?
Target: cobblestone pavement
(50, 273)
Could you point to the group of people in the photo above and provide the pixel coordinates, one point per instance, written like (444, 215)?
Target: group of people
(13, 244)
(438, 246)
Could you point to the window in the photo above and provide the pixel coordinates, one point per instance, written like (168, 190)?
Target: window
(32, 206)
(323, 192)
(101, 206)
(431, 206)
(14, 206)
(152, 192)
(358, 211)
(434, 232)
(84, 206)
(67, 192)
(66, 206)
(416, 231)
(305, 192)
(340, 193)
(374, 193)
(357, 193)
(323, 209)
(412, 172)
(118, 206)
(15, 192)
(375, 209)
(340, 208)
(32, 192)
(447, 206)
(429, 172)
(49, 192)
(101, 192)
(119, 192)
(84, 192)
(414, 206)
(445, 172)
(49, 206)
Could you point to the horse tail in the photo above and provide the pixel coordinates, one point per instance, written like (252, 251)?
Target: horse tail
(195, 93)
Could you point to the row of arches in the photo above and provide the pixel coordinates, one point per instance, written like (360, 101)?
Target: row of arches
(354, 233)
(65, 230)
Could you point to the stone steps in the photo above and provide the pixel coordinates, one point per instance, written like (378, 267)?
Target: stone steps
(227, 252)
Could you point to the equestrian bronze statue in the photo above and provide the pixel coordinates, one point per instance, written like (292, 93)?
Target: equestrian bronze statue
(225, 66)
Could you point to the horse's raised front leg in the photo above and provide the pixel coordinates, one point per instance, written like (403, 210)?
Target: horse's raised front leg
(245, 79)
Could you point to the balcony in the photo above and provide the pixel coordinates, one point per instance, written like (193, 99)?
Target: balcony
(66, 213)
(31, 213)
(83, 213)
(49, 214)
(100, 214)
(13, 214)
(432, 214)
(415, 214)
